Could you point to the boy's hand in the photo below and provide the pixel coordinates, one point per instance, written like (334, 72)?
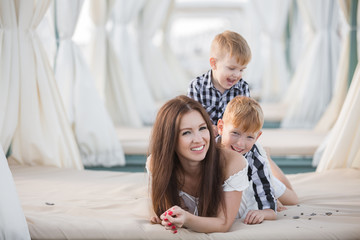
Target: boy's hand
(280, 206)
(254, 217)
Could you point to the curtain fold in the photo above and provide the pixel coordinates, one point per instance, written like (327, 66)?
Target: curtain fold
(341, 81)
(343, 148)
(331, 114)
(91, 123)
(273, 17)
(106, 68)
(315, 76)
(43, 135)
(12, 220)
(125, 39)
(165, 83)
(9, 73)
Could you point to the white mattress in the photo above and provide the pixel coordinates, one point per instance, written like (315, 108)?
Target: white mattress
(72, 204)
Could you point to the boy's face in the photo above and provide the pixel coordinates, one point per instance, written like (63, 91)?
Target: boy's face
(235, 139)
(226, 72)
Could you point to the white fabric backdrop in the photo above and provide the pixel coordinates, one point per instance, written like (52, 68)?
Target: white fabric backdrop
(91, 123)
(315, 76)
(273, 18)
(107, 70)
(331, 114)
(9, 73)
(164, 82)
(126, 46)
(12, 220)
(343, 148)
(43, 135)
(341, 81)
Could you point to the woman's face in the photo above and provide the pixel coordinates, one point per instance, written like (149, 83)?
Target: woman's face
(194, 138)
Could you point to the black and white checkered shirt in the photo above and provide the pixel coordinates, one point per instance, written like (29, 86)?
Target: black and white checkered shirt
(203, 90)
(259, 173)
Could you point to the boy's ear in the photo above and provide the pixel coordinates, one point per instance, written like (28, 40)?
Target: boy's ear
(213, 63)
(220, 126)
(259, 134)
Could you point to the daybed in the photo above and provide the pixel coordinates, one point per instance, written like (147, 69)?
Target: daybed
(72, 204)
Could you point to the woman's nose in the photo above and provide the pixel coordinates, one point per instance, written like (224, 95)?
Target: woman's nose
(197, 137)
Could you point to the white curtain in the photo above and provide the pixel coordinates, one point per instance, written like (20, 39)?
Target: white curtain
(164, 82)
(9, 72)
(343, 148)
(273, 18)
(91, 123)
(126, 45)
(315, 76)
(106, 68)
(341, 81)
(12, 220)
(43, 135)
(332, 112)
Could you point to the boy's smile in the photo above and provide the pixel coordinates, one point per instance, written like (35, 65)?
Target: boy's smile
(226, 72)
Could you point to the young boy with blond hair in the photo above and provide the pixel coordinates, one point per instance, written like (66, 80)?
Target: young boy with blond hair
(239, 129)
(229, 57)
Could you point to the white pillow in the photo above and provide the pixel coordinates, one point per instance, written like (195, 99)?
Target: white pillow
(12, 220)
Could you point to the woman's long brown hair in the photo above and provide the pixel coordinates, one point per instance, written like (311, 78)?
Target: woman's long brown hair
(166, 171)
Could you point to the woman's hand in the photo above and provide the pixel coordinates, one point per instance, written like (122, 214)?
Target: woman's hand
(174, 218)
(155, 220)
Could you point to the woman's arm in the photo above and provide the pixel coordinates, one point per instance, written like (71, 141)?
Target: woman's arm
(222, 223)
(225, 218)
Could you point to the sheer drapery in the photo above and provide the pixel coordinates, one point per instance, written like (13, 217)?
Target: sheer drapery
(107, 70)
(315, 76)
(343, 147)
(91, 123)
(126, 45)
(9, 73)
(43, 135)
(12, 220)
(341, 81)
(164, 81)
(273, 17)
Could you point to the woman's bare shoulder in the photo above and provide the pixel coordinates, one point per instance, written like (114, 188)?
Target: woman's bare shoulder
(234, 162)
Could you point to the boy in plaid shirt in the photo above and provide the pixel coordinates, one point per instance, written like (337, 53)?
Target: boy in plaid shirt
(229, 56)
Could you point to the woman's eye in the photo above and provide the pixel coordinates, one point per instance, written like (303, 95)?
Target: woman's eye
(203, 128)
(185, 133)
(235, 133)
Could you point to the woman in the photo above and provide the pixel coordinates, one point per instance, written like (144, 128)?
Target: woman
(194, 183)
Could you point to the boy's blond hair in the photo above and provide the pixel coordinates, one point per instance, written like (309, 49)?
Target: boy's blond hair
(231, 43)
(244, 113)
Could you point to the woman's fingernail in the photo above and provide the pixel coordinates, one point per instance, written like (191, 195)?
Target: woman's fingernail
(165, 213)
(165, 219)
(169, 224)
(173, 227)
(175, 231)
(170, 212)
